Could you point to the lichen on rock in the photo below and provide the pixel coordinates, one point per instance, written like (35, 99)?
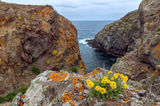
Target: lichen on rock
(28, 36)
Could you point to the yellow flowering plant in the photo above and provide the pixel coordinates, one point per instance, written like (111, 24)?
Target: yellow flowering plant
(110, 86)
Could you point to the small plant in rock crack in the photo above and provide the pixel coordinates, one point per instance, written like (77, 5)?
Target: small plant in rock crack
(109, 86)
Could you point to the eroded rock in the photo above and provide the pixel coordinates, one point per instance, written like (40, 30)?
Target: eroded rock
(34, 39)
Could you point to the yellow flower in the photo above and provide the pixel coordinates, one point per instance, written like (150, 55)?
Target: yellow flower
(47, 62)
(54, 52)
(97, 88)
(113, 85)
(116, 75)
(19, 18)
(110, 72)
(90, 83)
(105, 80)
(112, 78)
(125, 86)
(125, 78)
(121, 75)
(88, 80)
(103, 90)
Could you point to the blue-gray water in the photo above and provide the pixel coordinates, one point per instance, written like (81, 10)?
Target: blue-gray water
(92, 58)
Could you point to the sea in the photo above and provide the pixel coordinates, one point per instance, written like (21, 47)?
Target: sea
(92, 58)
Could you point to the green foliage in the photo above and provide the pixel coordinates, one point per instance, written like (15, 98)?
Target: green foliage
(34, 59)
(2, 99)
(158, 29)
(10, 96)
(23, 89)
(152, 14)
(35, 70)
(75, 69)
(108, 86)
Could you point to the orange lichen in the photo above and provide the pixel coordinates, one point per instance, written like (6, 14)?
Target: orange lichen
(67, 97)
(2, 18)
(148, 24)
(80, 97)
(126, 99)
(23, 96)
(145, 68)
(58, 76)
(95, 72)
(80, 89)
(156, 73)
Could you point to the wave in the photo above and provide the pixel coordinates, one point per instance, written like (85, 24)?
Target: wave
(83, 41)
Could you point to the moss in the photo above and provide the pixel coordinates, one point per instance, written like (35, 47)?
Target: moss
(34, 59)
(158, 29)
(2, 99)
(152, 14)
(75, 69)
(23, 89)
(10, 96)
(35, 70)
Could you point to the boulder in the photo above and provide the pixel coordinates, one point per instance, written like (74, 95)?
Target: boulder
(32, 40)
(118, 37)
(73, 90)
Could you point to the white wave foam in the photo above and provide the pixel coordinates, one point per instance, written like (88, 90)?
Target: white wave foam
(83, 41)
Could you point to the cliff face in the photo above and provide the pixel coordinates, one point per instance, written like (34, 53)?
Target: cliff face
(142, 63)
(33, 39)
(118, 37)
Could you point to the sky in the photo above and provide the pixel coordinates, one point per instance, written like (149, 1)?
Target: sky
(87, 9)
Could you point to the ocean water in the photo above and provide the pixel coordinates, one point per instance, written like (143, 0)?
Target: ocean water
(93, 58)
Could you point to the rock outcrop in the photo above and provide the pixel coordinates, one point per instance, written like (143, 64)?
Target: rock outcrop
(118, 37)
(142, 63)
(44, 91)
(33, 39)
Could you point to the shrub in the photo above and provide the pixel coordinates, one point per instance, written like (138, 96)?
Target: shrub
(23, 90)
(2, 99)
(34, 59)
(10, 96)
(35, 70)
(158, 29)
(109, 86)
(75, 69)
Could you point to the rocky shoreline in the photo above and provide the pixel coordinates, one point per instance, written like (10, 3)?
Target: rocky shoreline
(63, 82)
(135, 40)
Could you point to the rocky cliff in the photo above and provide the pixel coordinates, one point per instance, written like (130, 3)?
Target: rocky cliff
(33, 39)
(142, 63)
(118, 37)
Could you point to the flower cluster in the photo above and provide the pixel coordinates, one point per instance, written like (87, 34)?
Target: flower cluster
(90, 83)
(110, 86)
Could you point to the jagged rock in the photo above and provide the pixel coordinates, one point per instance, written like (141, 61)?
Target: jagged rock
(118, 37)
(142, 62)
(32, 40)
(43, 91)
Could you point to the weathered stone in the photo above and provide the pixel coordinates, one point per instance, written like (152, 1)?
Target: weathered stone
(118, 37)
(1, 78)
(35, 38)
